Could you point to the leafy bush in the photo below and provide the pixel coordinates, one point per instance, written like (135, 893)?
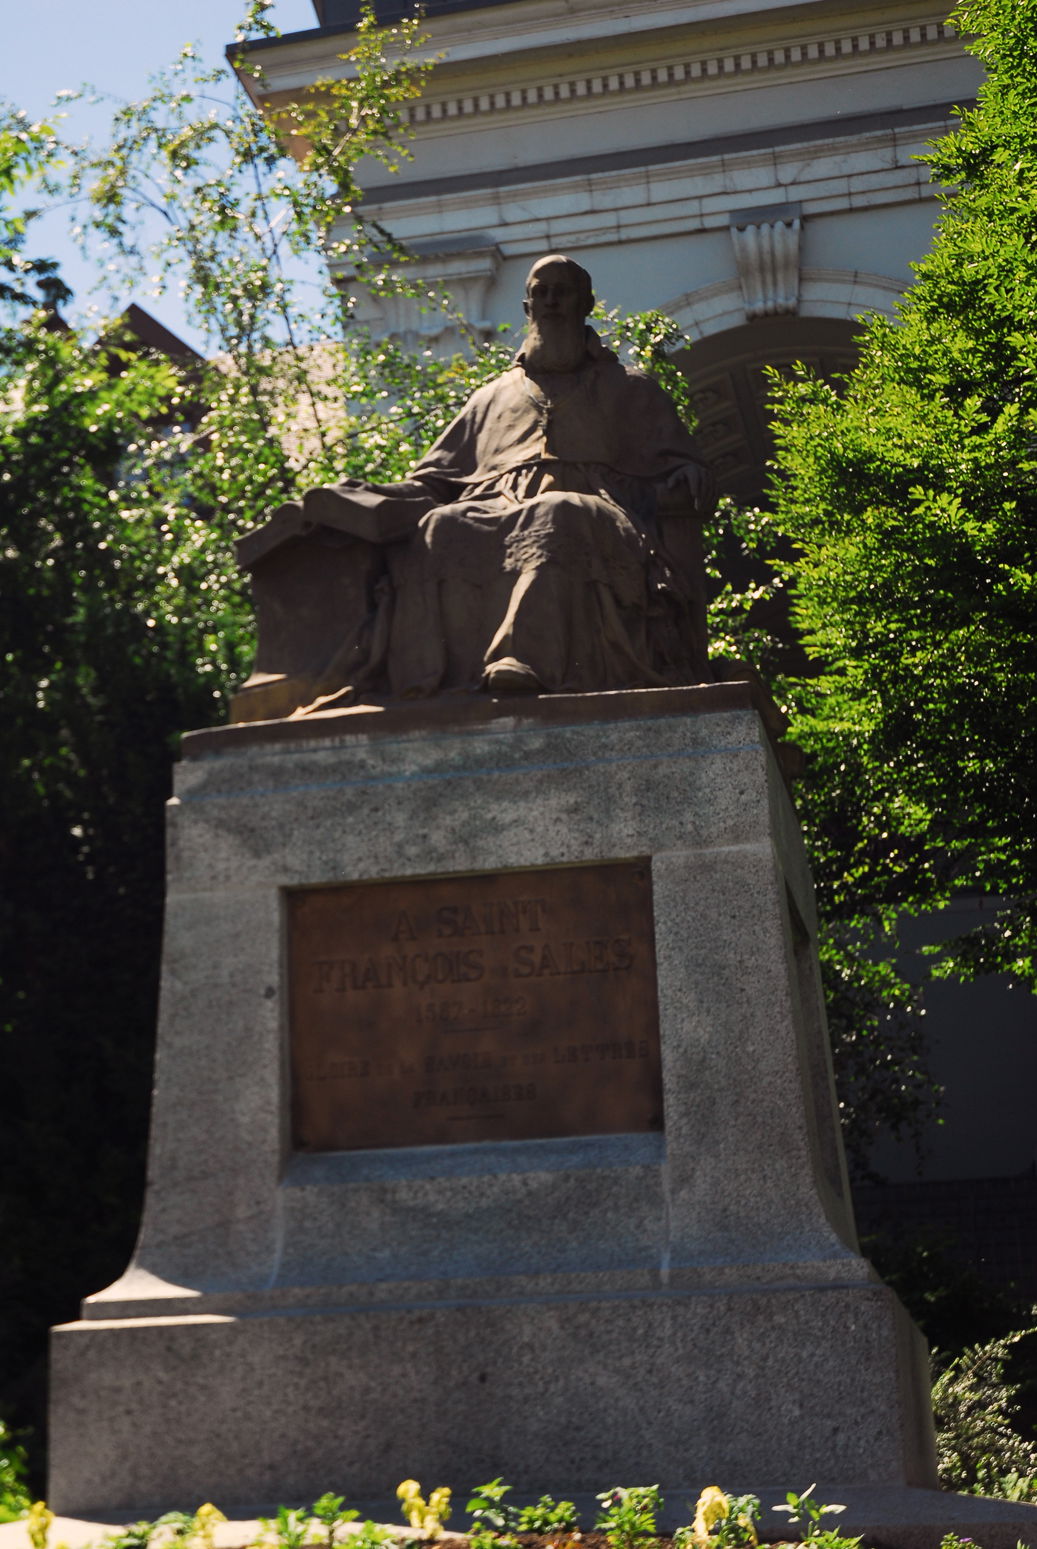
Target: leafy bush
(488, 1509)
(975, 1405)
(908, 497)
(14, 1494)
(628, 1515)
(548, 1516)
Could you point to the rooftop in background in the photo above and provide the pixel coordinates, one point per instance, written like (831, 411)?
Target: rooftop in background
(156, 336)
(346, 13)
(343, 16)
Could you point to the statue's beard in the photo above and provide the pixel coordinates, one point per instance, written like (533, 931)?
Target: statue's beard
(556, 344)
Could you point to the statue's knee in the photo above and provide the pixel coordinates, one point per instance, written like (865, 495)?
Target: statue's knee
(561, 511)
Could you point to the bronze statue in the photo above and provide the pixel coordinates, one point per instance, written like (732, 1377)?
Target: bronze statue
(548, 542)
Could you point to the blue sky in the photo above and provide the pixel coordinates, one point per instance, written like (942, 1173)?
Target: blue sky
(116, 45)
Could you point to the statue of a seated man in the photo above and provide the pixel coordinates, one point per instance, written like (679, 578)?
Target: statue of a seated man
(549, 542)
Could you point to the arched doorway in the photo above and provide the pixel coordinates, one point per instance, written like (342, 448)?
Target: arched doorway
(729, 390)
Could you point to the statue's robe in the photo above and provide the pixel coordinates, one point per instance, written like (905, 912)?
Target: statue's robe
(532, 531)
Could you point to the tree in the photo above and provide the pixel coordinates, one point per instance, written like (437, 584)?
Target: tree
(907, 494)
(25, 149)
(101, 670)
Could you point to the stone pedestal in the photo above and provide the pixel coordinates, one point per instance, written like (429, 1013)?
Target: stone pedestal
(631, 1289)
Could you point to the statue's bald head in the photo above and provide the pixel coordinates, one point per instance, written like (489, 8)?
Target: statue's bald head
(555, 268)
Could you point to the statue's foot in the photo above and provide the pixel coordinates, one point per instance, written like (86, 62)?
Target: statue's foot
(509, 676)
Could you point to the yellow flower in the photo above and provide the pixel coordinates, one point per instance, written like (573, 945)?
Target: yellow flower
(203, 1528)
(427, 1516)
(439, 1503)
(38, 1524)
(712, 1508)
(414, 1508)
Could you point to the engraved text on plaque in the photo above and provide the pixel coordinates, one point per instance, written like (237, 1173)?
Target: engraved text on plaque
(506, 1006)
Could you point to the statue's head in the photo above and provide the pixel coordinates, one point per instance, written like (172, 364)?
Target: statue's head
(558, 287)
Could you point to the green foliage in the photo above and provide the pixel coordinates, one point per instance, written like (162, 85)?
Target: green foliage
(909, 500)
(628, 1515)
(173, 1528)
(289, 1529)
(121, 626)
(489, 1538)
(901, 542)
(952, 1541)
(332, 1513)
(493, 1516)
(736, 541)
(15, 1499)
(875, 1018)
(26, 150)
(137, 1535)
(489, 1510)
(807, 1513)
(371, 1535)
(548, 1516)
(979, 1445)
(649, 341)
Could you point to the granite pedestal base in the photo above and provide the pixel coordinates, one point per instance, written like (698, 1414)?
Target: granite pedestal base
(684, 1303)
(571, 1390)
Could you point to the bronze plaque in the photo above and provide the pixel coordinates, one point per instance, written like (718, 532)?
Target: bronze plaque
(510, 1006)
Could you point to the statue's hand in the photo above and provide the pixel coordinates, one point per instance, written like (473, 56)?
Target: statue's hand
(696, 481)
(377, 513)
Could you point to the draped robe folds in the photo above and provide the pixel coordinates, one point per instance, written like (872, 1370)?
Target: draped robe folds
(531, 531)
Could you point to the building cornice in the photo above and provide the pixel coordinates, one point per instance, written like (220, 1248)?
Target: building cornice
(643, 49)
(702, 72)
(525, 26)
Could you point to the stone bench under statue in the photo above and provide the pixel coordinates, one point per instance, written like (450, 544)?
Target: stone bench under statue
(549, 542)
